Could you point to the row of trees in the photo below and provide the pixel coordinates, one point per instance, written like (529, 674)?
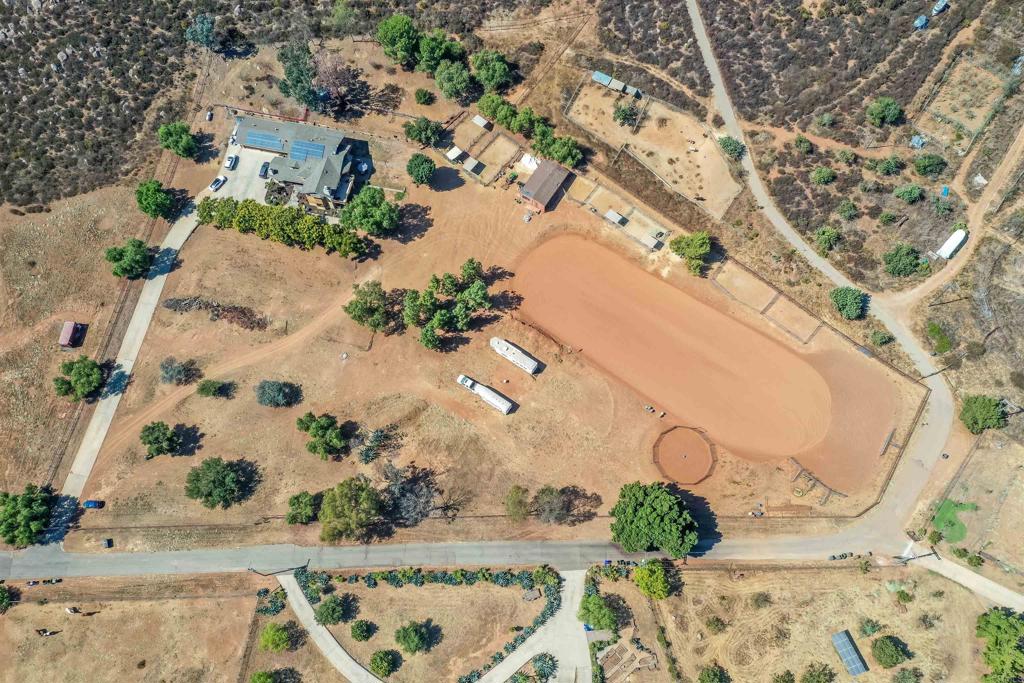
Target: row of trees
(563, 149)
(24, 516)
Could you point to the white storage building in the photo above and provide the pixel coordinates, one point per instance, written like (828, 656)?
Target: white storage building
(514, 355)
(954, 242)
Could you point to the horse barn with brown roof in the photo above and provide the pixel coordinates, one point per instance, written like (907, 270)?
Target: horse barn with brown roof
(544, 185)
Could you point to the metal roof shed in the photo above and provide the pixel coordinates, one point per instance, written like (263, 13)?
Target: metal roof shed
(472, 165)
(615, 217)
(453, 154)
(631, 90)
(602, 78)
(954, 242)
(482, 122)
(848, 652)
(617, 85)
(544, 184)
(921, 22)
(651, 242)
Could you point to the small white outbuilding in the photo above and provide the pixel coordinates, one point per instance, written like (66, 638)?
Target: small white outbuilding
(954, 242)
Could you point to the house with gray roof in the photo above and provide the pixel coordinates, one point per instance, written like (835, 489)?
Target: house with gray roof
(316, 160)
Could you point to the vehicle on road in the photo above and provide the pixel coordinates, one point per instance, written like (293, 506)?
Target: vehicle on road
(264, 169)
(231, 162)
(218, 183)
(52, 581)
(93, 504)
(31, 583)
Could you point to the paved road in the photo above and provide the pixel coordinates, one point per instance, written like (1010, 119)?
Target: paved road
(341, 660)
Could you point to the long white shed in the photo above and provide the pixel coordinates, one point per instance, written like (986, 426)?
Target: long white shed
(514, 355)
(954, 242)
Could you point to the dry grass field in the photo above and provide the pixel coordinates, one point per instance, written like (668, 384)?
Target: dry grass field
(470, 623)
(303, 661)
(961, 108)
(783, 619)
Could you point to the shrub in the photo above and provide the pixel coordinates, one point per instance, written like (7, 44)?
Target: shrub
(887, 218)
(274, 394)
(818, 672)
(908, 676)
(325, 436)
(732, 147)
(424, 96)
(784, 677)
(178, 138)
(334, 609)
(982, 412)
(413, 637)
(1003, 631)
(173, 372)
(823, 175)
(975, 560)
(131, 261)
(761, 600)
(881, 338)
(79, 378)
(551, 505)
(904, 597)
(362, 630)
(826, 120)
(517, 505)
(935, 537)
(960, 553)
(545, 666)
(713, 673)
(262, 677)
(652, 579)
(891, 165)
(889, 651)
(302, 508)
(24, 516)
(939, 337)
(910, 193)
(626, 114)
(420, 168)
(715, 624)
(846, 156)
(847, 210)
(693, 249)
(423, 131)
(884, 110)
(902, 261)
(826, 237)
(849, 302)
(152, 199)
(6, 598)
(869, 627)
(384, 662)
(274, 638)
(929, 165)
(216, 482)
(803, 145)
(159, 439)
(214, 388)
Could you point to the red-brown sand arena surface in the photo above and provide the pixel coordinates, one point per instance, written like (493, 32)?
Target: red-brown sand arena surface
(752, 394)
(683, 455)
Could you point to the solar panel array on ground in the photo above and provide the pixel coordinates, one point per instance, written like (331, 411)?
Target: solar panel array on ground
(302, 150)
(264, 141)
(849, 653)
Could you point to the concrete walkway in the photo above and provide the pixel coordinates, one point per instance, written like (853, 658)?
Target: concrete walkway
(352, 670)
(561, 637)
(103, 415)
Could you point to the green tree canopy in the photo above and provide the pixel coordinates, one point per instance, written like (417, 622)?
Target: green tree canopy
(453, 79)
(823, 175)
(492, 70)
(818, 672)
(733, 148)
(262, 677)
(130, 261)
(350, 509)
(626, 114)
(299, 73)
(275, 638)
(216, 482)
(362, 630)
(652, 579)
(847, 209)
(159, 439)
(929, 165)
(884, 110)
(594, 611)
(24, 516)
(889, 651)
(6, 598)
(693, 249)
(178, 138)
(424, 96)
(826, 237)
(325, 436)
(275, 394)
(517, 503)
(982, 412)
(302, 508)
(369, 306)
(384, 662)
(370, 211)
(891, 165)
(902, 261)
(1003, 632)
(435, 47)
(803, 144)
(334, 609)
(423, 131)
(153, 199)
(713, 673)
(200, 32)
(399, 38)
(849, 301)
(649, 516)
(420, 168)
(413, 637)
(79, 378)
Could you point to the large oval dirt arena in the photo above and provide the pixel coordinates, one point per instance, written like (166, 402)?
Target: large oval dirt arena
(754, 395)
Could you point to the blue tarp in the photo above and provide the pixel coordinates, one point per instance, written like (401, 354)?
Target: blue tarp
(921, 22)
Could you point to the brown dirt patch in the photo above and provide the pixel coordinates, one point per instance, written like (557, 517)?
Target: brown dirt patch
(474, 622)
(684, 455)
(793, 319)
(744, 287)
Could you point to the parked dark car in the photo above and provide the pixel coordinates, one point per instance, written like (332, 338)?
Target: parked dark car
(93, 504)
(264, 169)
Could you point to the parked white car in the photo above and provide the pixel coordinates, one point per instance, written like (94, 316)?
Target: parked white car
(231, 162)
(218, 183)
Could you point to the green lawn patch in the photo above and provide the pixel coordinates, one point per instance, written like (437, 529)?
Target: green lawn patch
(946, 520)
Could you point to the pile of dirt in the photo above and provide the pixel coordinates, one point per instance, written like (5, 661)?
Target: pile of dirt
(243, 316)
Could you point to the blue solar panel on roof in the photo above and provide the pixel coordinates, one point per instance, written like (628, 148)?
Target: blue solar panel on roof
(302, 150)
(256, 138)
(849, 653)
